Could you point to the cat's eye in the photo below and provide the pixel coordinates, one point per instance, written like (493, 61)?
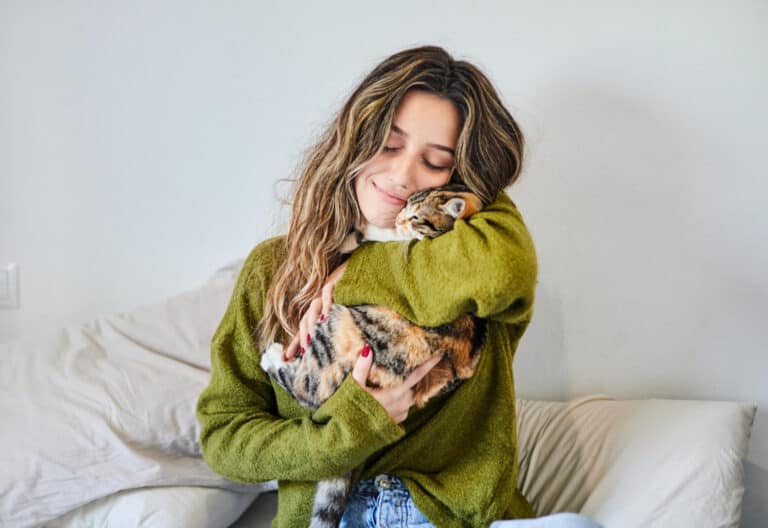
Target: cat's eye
(414, 217)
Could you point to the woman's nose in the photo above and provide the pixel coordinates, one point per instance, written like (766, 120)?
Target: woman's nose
(403, 172)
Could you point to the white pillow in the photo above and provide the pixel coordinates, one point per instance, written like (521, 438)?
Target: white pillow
(635, 463)
(187, 506)
(95, 409)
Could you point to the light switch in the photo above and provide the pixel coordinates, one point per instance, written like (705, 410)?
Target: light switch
(9, 285)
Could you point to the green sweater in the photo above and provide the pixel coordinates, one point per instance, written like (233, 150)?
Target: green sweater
(457, 455)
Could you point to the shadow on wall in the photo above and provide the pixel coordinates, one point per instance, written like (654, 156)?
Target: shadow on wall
(597, 164)
(540, 368)
(631, 200)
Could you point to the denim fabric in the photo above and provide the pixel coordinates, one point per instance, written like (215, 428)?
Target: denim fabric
(384, 501)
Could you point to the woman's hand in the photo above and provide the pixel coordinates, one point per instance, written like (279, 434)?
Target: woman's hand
(318, 309)
(396, 400)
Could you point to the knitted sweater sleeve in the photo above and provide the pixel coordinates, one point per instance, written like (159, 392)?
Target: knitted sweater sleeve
(243, 438)
(486, 265)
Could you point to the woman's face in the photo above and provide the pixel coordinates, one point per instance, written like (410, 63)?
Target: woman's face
(418, 154)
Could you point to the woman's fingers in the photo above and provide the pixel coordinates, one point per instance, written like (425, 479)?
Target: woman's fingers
(419, 372)
(362, 366)
(290, 351)
(313, 316)
(307, 323)
(396, 400)
(392, 399)
(327, 301)
(318, 310)
(326, 291)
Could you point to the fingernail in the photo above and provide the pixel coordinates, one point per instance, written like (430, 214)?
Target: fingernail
(366, 350)
(322, 317)
(308, 338)
(302, 351)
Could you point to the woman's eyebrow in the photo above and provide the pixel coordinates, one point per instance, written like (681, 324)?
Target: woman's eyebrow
(399, 130)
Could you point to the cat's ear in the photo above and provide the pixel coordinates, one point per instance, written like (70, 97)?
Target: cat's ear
(454, 207)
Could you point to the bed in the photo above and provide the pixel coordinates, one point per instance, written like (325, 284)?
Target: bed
(98, 429)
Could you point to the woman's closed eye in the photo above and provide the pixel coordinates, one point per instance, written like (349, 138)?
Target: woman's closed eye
(425, 162)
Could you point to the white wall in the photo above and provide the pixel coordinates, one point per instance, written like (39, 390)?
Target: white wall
(140, 143)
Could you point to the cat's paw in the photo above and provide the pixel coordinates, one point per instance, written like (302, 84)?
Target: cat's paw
(272, 358)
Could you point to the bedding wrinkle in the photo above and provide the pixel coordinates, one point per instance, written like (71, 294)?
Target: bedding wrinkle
(96, 409)
(143, 340)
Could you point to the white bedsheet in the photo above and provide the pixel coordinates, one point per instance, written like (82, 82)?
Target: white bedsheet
(94, 409)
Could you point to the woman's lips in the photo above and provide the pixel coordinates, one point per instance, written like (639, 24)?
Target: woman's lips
(394, 200)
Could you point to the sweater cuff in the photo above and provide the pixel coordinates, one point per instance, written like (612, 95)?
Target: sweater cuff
(360, 413)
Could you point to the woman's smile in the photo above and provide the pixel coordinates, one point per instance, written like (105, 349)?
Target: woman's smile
(394, 200)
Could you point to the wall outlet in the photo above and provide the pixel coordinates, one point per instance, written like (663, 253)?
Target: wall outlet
(9, 286)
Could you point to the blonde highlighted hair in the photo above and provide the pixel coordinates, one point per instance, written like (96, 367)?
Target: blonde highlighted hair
(489, 155)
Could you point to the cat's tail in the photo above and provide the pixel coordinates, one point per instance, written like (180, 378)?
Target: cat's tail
(330, 502)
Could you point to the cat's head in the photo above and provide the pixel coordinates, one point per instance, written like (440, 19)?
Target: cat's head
(431, 212)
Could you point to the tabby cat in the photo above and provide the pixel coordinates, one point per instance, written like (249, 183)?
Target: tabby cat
(398, 345)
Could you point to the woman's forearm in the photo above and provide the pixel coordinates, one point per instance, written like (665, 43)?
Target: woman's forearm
(486, 265)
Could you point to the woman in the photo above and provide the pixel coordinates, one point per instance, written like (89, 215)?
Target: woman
(418, 120)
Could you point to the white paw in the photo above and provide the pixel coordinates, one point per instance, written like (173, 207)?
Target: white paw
(272, 358)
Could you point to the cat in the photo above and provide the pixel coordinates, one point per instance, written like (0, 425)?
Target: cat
(398, 345)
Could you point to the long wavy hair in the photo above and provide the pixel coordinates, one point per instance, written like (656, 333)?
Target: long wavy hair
(324, 208)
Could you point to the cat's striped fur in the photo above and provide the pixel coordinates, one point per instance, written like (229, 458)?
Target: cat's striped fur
(398, 345)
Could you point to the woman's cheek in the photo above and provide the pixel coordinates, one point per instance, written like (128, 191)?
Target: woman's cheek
(385, 218)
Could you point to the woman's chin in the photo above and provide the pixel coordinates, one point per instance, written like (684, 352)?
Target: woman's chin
(383, 223)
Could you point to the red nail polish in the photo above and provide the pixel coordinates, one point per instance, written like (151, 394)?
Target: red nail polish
(322, 317)
(308, 338)
(366, 350)
(302, 351)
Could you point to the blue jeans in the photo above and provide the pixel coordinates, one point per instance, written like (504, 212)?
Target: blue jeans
(385, 501)
(382, 501)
